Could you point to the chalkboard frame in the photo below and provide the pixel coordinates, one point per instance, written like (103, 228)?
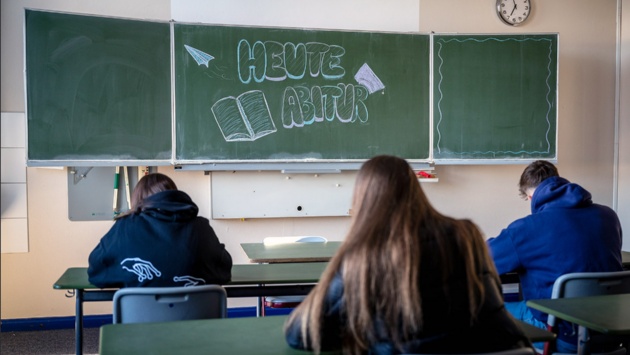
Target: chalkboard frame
(130, 111)
(289, 165)
(547, 42)
(278, 159)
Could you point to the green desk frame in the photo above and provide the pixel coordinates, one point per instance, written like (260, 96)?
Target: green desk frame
(287, 253)
(247, 281)
(320, 252)
(608, 314)
(259, 336)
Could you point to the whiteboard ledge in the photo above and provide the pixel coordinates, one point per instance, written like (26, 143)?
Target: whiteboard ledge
(311, 171)
(490, 161)
(428, 180)
(53, 163)
(288, 167)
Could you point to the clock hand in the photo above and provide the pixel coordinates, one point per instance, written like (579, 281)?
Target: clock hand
(514, 8)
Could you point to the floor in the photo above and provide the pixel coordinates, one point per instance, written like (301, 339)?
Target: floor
(47, 342)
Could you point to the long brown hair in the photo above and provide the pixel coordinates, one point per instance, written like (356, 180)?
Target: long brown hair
(380, 259)
(149, 184)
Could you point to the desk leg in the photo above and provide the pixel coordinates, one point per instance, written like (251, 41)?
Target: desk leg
(260, 307)
(584, 343)
(78, 322)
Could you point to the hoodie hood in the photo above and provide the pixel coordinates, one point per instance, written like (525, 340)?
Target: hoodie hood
(557, 192)
(171, 205)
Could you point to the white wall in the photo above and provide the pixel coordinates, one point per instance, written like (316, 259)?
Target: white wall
(13, 181)
(486, 194)
(375, 15)
(623, 183)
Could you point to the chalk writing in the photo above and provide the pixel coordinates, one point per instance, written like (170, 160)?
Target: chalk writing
(302, 106)
(202, 58)
(244, 118)
(275, 61)
(366, 77)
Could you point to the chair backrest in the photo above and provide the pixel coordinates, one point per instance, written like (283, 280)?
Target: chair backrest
(161, 304)
(584, 284)
(296, 239)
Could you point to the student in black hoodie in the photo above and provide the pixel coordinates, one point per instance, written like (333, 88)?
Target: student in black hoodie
(160, 241)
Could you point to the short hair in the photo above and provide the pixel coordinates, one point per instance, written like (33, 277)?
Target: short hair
(149, 184)
(534, 174)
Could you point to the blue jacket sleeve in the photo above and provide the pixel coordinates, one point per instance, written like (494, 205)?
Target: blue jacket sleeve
(332, 322)
(504, 252)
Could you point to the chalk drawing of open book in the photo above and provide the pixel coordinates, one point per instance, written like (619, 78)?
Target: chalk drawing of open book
(244, 118)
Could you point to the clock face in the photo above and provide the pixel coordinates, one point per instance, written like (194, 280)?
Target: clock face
(513, 12)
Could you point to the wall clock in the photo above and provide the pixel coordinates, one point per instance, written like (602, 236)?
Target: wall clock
(513, 12)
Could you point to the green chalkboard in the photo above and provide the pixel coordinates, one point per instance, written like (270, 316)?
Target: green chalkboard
(97, 88)
(495, 97)
(273, 94)
(99, 92)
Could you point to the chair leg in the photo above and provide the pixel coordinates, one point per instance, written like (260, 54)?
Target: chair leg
(584, 341)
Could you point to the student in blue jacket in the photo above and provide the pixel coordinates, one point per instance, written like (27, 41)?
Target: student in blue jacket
(565, 233)
(405, 280)
(159, 242)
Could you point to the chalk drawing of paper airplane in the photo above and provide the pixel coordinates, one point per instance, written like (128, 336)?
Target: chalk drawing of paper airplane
(202, 58)
(244, 118)
(366, 77)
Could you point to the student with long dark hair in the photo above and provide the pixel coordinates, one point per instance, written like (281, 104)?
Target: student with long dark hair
(160, 241)
(406, 278)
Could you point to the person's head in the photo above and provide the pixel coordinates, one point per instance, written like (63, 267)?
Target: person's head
(533, 175)
(149, 184)
(387, 198)
(393, 227)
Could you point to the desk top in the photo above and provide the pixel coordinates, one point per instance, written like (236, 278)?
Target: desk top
(290, 252)
(606, 314)
(77, 278)
(245, 274)
(223, 336)
(212, 336)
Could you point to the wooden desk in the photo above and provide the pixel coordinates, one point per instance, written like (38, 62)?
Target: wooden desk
(606, 314)
(279, 279)
(221, 336)
(625, 259)
(290, 252)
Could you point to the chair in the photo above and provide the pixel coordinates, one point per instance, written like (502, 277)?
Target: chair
(584, 284)
(288, 301)
(161, 304)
